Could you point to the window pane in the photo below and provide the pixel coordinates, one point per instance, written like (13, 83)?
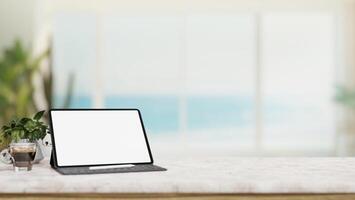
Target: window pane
(74, 52)
(220, 76)
(142, 69)
(298, 63)
(160, 113)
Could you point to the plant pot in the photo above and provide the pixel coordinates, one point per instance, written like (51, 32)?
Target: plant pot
(39, 152)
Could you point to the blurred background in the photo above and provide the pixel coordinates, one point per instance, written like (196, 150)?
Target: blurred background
(211, 77)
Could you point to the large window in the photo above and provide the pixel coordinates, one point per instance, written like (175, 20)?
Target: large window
(297, 79)
(74, 49)
(227, 78)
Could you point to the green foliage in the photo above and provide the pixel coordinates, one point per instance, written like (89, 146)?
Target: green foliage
(17, 69)
(345, 97)
(38, 115)
(25, 128)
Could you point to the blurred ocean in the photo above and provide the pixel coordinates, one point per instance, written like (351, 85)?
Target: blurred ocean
(161, 113)
(204, 113)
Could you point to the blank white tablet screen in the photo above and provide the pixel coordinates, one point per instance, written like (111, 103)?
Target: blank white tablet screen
(95, 137)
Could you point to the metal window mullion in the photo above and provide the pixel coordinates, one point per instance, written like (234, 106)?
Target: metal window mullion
(258, 139)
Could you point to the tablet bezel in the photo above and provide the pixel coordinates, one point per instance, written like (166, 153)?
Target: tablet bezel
(54, 153)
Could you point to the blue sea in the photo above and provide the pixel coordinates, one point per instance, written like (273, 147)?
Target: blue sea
(162, 113)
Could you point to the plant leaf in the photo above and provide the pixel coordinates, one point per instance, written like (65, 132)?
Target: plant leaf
(30, 125)
(38, 115)
(24, 120)
(5, 127)
(13, 123)
(15, 135)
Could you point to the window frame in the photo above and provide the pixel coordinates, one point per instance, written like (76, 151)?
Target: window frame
(98, 94)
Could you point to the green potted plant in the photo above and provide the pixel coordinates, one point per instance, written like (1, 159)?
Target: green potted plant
(26, 130)
(345, 97)
(19, 67)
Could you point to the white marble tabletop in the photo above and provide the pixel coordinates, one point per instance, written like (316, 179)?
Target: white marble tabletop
(197, 175)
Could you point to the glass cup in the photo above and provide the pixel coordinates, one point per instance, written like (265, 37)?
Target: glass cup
(22, 155)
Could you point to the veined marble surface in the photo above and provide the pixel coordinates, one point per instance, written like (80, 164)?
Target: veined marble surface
(196, 175)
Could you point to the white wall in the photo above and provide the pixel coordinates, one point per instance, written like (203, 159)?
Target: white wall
(16, 21)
